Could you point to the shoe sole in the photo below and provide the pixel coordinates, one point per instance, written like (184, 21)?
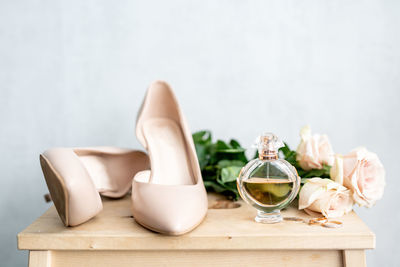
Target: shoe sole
(57, 188)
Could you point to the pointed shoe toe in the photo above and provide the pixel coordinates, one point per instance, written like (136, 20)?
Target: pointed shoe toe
(168, 209)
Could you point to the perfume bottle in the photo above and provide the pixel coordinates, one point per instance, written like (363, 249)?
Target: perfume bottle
(268, 183)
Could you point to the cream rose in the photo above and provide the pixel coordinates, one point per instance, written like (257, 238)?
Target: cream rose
(363, 173)
(324, 196)
(313, 150)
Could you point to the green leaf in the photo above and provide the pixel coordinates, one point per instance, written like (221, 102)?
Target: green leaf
(229, 174)
(202, 137)
(221, 145)
(220, 163)
(323, 173)
(226, 163)
(214, 186)
(235, 144)
(231, 150)
(285, 149)
(201, 151)
(289, 155)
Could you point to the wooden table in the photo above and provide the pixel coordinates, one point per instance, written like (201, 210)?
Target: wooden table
(227, 237)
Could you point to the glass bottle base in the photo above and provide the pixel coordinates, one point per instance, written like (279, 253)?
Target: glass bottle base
(268, 217)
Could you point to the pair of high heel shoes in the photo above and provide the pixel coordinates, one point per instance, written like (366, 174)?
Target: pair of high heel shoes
(168, 195)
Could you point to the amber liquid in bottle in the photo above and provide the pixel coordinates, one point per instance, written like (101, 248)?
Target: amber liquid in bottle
(268, 192)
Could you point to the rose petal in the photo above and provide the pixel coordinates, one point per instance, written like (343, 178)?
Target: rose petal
(336, 172)
(326, 197)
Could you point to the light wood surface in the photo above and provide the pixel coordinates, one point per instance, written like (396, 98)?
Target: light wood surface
(227, 237)
(115, 229)
(40, 258)
(300, 258)
(354, 258)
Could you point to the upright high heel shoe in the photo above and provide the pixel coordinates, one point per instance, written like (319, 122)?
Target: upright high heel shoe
(171, 198)
(76, 178)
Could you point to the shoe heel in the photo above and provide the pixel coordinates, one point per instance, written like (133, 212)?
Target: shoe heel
(57, 189)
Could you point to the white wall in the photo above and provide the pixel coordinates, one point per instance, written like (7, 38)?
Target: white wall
(73, 73)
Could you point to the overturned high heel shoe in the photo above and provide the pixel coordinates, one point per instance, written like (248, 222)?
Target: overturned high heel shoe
(76, 177)
(171, 198)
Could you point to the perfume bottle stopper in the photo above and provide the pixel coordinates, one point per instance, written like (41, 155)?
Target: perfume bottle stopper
(268, 145)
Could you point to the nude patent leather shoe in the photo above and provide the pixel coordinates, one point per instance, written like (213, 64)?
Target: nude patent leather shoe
(171, 198)
(76, 177)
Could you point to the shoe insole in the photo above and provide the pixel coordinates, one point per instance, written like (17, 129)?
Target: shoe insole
(112, 173)
(170, 163)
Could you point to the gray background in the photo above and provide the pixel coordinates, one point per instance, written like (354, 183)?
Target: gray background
(73, 73)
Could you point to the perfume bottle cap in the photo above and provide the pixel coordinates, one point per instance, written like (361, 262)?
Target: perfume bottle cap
(268, 145)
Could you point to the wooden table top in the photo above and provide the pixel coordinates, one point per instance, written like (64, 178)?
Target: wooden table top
(226, 229)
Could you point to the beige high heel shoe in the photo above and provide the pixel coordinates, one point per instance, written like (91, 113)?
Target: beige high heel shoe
(171, 198)
(76, 177)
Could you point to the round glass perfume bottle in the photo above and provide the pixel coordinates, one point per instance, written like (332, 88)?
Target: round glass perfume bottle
(268, 183)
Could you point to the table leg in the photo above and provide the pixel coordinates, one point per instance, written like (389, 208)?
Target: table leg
(39, 258)
(354, 258)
